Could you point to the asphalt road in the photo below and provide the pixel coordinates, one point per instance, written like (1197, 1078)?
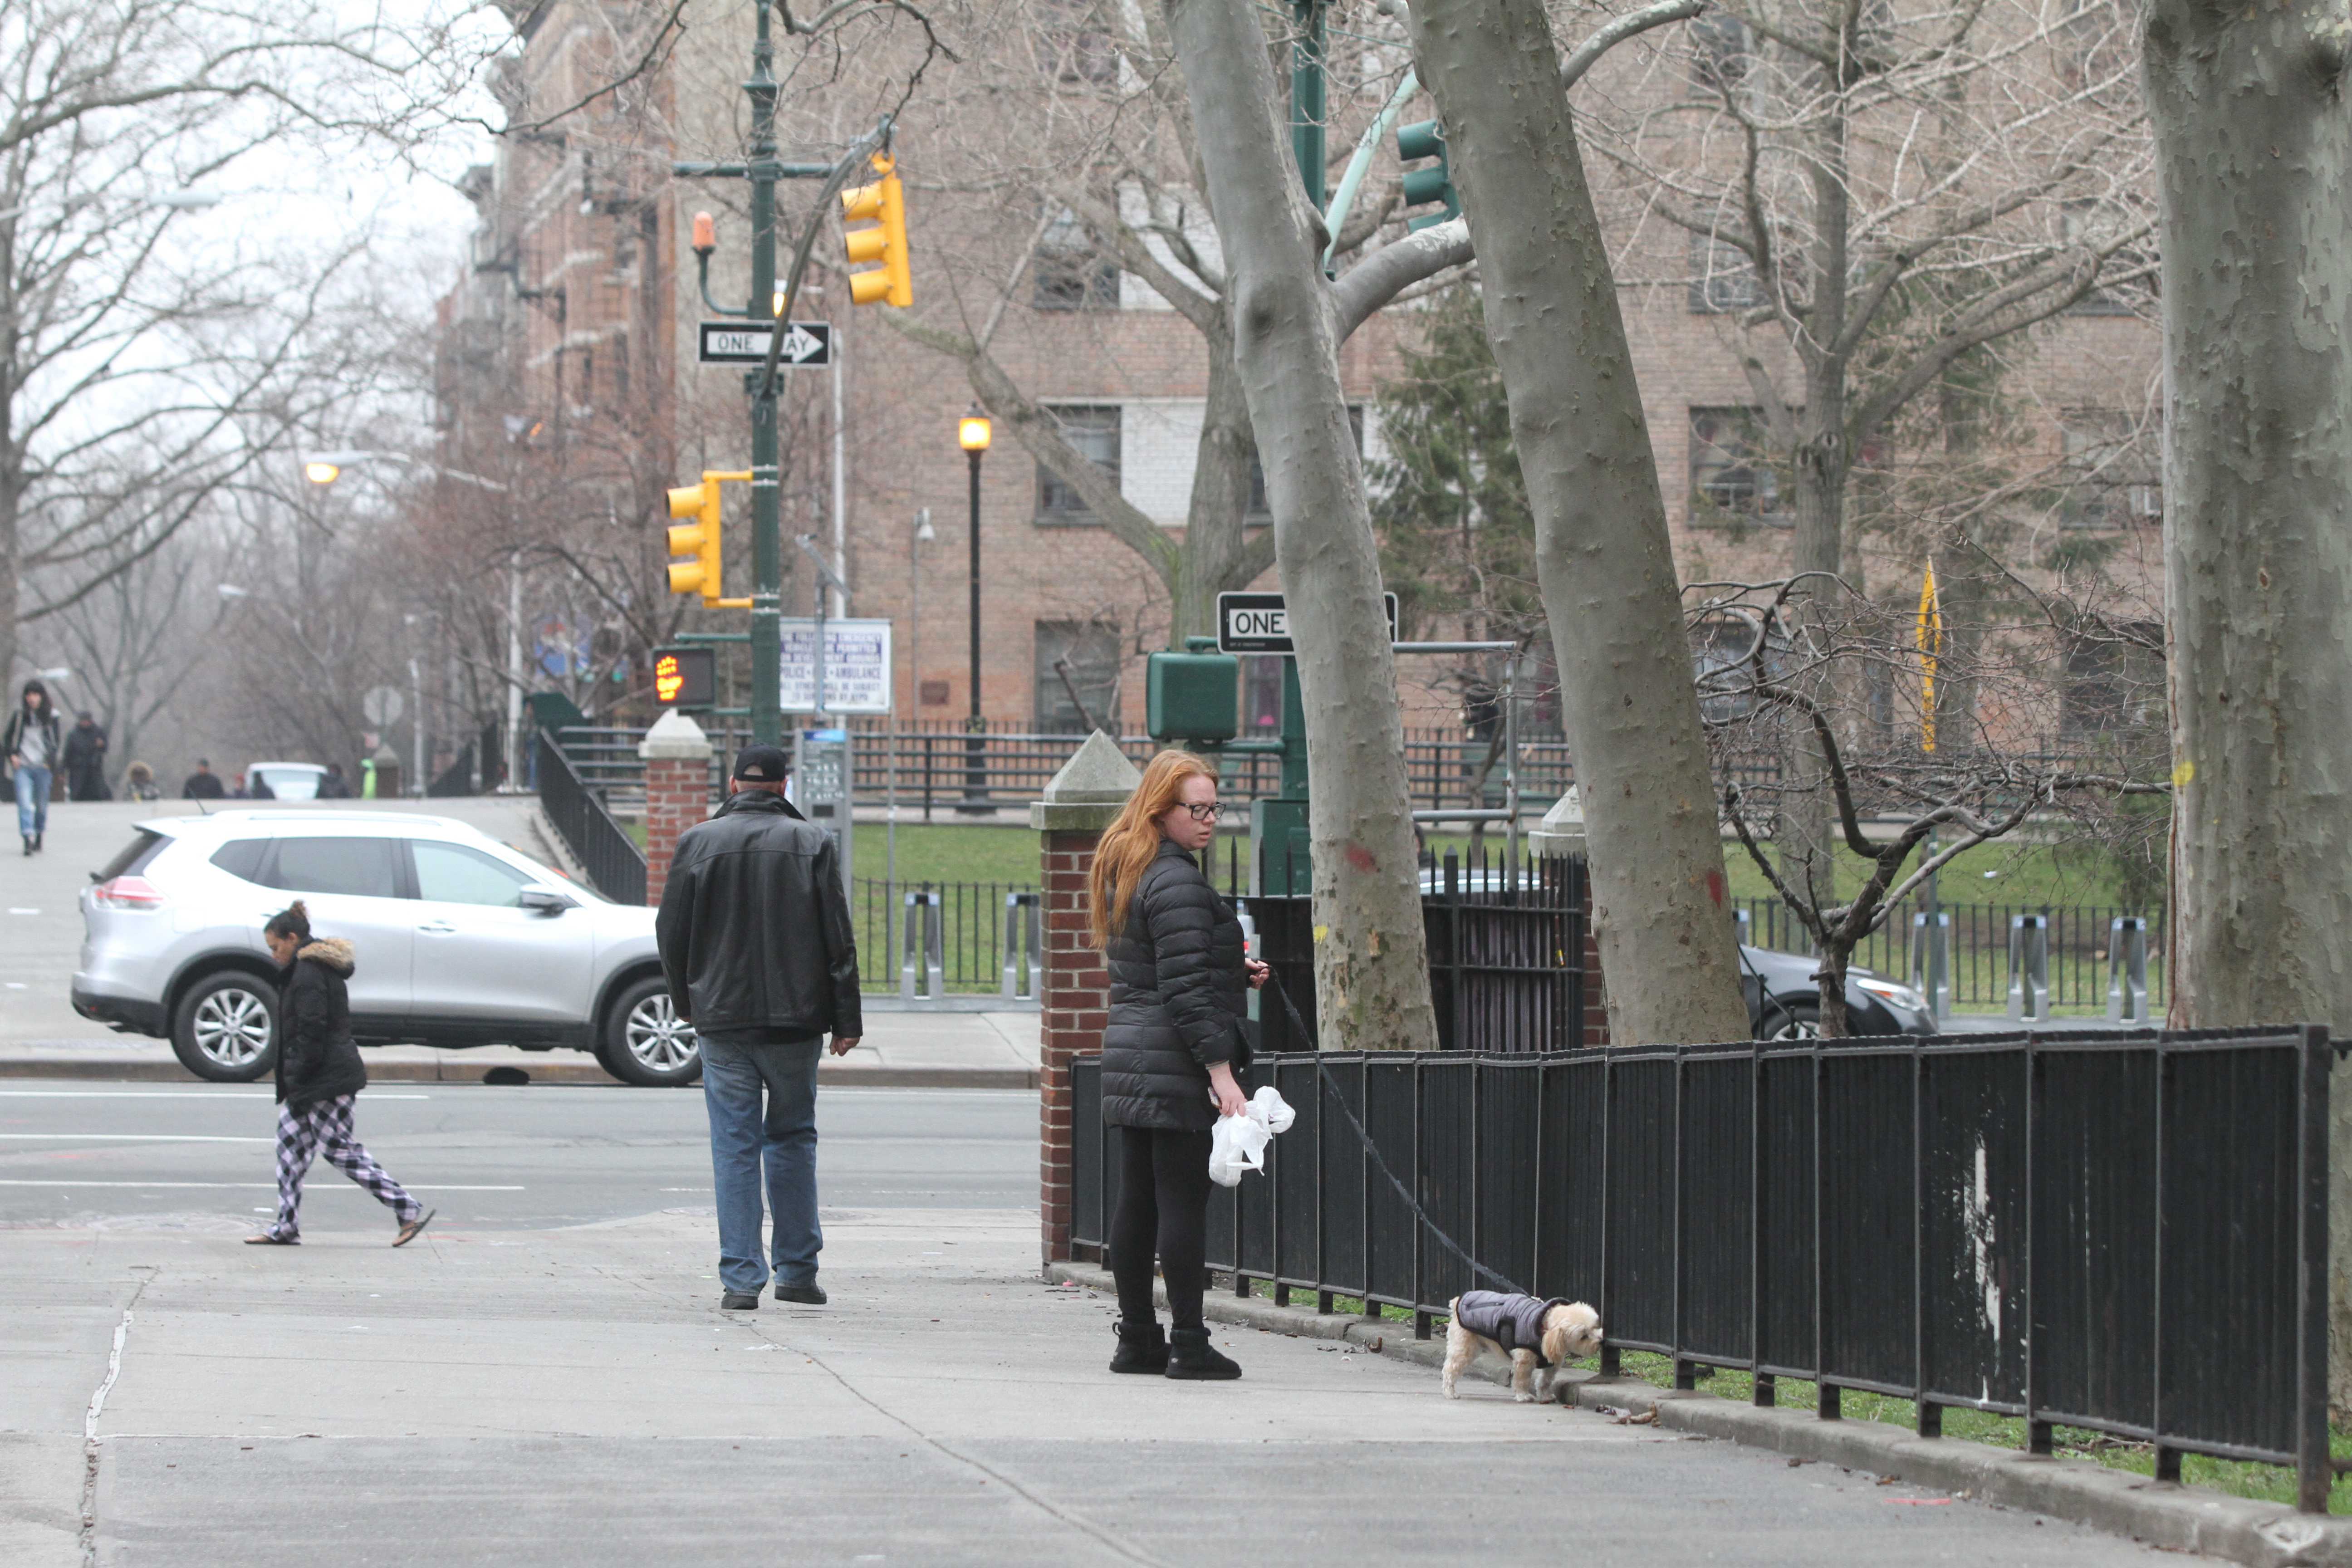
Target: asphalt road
(526, 1158)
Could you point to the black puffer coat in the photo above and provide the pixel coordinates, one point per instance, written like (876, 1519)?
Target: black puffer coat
(1177, 987)
(316, 1058)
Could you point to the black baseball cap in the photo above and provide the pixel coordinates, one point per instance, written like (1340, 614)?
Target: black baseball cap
(763, 764)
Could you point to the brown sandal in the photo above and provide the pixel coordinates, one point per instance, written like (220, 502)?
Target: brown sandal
(408, 1231)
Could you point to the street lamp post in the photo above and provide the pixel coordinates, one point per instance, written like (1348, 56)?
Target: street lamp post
(971, 434)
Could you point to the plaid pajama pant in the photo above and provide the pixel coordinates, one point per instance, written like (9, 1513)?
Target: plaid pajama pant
(324, 1126)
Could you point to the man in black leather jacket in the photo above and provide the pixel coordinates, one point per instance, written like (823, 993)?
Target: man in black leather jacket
(757, 947)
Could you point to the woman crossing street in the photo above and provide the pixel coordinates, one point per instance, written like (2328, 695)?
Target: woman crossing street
(318, 1072)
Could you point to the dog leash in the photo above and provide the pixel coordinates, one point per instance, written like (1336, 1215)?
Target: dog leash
(1340, 1099)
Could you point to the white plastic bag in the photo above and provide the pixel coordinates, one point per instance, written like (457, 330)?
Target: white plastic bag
(1239, 1142)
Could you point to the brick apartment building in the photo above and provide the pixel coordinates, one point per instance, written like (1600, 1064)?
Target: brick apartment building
(568, 343)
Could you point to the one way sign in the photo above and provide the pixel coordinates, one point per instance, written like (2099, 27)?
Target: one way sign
(806, 344)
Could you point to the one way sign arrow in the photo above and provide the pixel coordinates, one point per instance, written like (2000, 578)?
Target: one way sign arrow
(807, 344)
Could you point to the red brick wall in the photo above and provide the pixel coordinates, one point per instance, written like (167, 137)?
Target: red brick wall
(1075, 1006)
(677, 795)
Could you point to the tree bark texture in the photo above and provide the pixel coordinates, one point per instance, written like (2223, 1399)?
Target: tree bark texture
(1603, 559)
(2255, 149)
(1371, 969)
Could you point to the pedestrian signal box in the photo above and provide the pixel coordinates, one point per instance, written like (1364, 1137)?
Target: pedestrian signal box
(1192, 696)
(684, 678)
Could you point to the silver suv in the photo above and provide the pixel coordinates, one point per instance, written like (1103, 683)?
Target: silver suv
(461, 942)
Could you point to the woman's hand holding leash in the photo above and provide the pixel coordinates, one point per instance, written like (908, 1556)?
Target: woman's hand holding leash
(1260, 972)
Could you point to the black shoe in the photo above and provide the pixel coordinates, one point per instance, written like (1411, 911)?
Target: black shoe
(1190, 1357)
(1141, 1348)
(809, 1295)
(36, 841)
(737, 1301)
(28, 844)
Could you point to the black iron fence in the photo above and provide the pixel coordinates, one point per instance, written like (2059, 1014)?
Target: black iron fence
(966, 942)
(1507, 959)
(2125, 1233)
(610, 857)
(2078, 952)
(932, 768)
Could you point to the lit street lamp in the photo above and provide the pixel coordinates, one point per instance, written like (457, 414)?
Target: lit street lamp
(971, 434)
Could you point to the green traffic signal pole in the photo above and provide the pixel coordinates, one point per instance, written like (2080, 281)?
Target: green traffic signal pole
(764, 171)
(1308, 52)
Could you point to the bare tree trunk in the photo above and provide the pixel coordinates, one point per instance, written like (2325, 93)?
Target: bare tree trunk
(1216, 520)
(1603, 559)
(2255, 156)
(1371, 968)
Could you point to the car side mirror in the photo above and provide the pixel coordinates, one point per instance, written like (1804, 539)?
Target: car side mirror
(542, 901)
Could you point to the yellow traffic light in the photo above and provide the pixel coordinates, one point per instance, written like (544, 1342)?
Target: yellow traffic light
(700, 539)
(885, 243)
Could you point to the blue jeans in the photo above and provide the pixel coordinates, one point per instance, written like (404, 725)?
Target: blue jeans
(32, 800)
(784, 1138)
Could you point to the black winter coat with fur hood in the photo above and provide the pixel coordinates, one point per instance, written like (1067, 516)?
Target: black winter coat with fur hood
(316, 1058)
(1177, 998)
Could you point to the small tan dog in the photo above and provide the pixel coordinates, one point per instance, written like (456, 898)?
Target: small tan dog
(1534, 1333)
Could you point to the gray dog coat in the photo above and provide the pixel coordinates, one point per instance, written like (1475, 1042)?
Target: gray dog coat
(1514, 1322)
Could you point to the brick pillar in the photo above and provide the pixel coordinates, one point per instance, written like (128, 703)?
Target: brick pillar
(1561, 833)
(677, 791)
(1073, 1004)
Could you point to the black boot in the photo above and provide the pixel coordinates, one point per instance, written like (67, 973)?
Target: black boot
(28, 844)
(1141, 1348)
(36, 841)
(1190, 1356)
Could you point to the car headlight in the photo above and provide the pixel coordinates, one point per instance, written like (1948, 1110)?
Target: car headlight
(1888, 991)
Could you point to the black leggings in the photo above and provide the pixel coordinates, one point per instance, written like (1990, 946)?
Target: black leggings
(1163, 1200)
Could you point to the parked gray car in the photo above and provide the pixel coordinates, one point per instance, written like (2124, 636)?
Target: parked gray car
(461, 942)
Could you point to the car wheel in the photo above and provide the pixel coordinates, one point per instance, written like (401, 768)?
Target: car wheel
(646, 1042)
(1799, 1022)
(225, 1029)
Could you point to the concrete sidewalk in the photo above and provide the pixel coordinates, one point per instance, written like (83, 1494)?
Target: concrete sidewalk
(572, 1399)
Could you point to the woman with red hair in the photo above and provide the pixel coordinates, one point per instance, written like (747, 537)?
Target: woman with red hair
(1171, 1047)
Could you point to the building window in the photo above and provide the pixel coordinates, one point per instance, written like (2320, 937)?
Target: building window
(1093, 429)
(1722, 280)
(1076, 676)
(1259, 511)
(1072, 44)
(1732, 481)
(2112, 478)
(2115, 681)
(1722, 52)
(1069, 273)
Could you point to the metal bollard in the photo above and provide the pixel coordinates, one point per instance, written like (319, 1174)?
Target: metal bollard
(2128, 970)
(2029, 968)
(922, 949)
(1022, 923)
(1931, 962)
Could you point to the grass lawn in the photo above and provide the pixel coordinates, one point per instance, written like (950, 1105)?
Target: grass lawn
(1997, 873)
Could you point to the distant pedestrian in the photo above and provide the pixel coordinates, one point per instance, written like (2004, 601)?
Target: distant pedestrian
(139, 783)
(257, 788)
(30, 743)
(204, 783)
(1170, 1052)
(757, 947)
(318, 1072)
(333, 785)
(86, 760)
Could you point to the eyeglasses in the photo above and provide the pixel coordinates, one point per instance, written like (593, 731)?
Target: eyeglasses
(1202, 813)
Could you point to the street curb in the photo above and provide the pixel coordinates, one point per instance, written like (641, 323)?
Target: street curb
(588, 1072)
(2181, 1518)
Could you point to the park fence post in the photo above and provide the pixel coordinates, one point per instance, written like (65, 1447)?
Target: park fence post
(677, 791)
(1073, 1001)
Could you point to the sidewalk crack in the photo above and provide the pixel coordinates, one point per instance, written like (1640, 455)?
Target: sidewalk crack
(91, 1440)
